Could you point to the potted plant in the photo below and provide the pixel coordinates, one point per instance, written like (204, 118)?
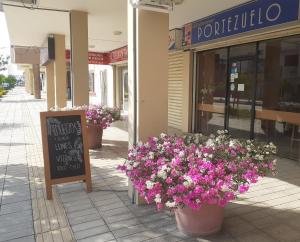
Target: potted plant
(115, 113)
(197, 176)
(97, 118)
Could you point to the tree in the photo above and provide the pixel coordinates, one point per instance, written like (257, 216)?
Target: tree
(3, 62)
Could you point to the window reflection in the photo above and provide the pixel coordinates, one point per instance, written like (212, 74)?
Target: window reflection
(273, 83)
(278, 94)
(212, 75)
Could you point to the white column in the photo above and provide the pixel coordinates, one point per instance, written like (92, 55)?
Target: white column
(151, 70)
(60, 72)
(50, 85)
(79, 57)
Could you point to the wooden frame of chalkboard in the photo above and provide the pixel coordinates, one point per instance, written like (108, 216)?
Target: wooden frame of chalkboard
(65, 148)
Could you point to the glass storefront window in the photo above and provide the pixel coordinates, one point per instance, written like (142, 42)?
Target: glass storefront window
(278, 95)
(253, 90)
(212, 77)
(242, 72)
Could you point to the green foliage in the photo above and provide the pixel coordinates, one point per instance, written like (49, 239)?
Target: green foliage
(2, 77)
(2, 92)
(3, 62)
(11, 80)
(7, 82)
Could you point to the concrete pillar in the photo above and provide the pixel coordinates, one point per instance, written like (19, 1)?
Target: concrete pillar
(50, 85)
(187, 91)
(27, 79)
(79, 57)
(118, 87)
(30, 87)
(114, 68)
(151, 70)
(36, 81)
(60, 72)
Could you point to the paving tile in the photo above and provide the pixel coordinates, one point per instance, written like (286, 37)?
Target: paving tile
(111, 206)
(117, 211)
(283, 233)
(82, 213)
(122, 224)
(117, 218)
(166, 238)
(16, 234)
(15, 207)
(237, 226)
(24, 239)
(129, 230)
(270, 210)
(88, 225)
(99, 238)
(91, 232)
(255, 236)
(83, 219)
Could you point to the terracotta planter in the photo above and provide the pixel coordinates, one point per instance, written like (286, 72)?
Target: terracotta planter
(94, 136)
(207, 220)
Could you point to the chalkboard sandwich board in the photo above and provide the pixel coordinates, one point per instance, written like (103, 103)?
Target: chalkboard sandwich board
(65, 148)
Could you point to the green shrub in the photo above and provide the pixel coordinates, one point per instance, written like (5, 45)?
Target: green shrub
(2, 91)
(11, 80)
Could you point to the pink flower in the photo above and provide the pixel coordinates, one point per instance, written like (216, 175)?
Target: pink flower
(179, 173)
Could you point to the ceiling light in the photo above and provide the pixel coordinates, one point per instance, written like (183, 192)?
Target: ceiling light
(117, 32)
(159, 4)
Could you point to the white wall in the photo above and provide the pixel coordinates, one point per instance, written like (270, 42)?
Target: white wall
(97, 98)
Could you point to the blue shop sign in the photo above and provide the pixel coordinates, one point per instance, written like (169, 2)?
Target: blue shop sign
(251, 16)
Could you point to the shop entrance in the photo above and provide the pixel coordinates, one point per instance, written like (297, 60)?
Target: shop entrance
(253, 91)
(239, 111)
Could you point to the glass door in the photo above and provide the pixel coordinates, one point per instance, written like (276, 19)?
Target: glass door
(240, 89)
(125, 90)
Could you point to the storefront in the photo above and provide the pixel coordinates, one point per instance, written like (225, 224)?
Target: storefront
(119, 61)
(247, 73)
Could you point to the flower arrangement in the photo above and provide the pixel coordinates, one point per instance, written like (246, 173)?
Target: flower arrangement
(195, 170)
(97, 115)
(115, 113)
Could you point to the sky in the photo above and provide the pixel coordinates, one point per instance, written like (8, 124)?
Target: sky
(4, 38)
(5, 45)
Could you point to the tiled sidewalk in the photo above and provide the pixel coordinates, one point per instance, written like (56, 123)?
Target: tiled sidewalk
(270, 211)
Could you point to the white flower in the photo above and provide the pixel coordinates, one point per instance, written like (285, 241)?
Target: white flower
(181, 154)
(188, 181)
(209, 142)
(149, 184)
(162, 174)
(232, 144)
(129, 167)
(157, 198)
(136, 164)
(151, 155)
(165, 168)
(163, 135)
(170, 204)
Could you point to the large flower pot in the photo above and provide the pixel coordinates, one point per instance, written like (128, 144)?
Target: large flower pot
(207, 220)
(94, 134)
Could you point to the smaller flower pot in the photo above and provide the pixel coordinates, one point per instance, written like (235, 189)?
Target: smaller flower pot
(94, 134)
(204, 221)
